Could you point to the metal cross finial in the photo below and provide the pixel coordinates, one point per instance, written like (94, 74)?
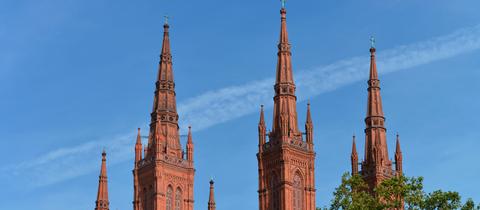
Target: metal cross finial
(372, 41)
(283, 3)
(166, 19)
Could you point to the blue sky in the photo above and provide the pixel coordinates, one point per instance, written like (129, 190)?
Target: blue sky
(77, 76)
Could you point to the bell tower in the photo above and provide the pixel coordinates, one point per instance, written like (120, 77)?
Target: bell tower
(163, 173)
(286, 161)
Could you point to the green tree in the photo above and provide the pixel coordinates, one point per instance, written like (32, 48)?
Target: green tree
(442, 200)
(353, 194)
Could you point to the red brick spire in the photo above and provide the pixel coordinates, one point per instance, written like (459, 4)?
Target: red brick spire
(354, 157)
(211, 198)
(102, 195)
(262, 130)
(285, 111)
(398, 158)
(376, 166)
(164, 117)
(138, 147)
(189, 144)
(309, 128)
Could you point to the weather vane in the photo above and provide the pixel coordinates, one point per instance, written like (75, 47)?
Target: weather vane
(283, 3)
(166, 19)
(372, 41)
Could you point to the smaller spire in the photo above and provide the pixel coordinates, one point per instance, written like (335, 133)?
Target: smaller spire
(102, 202)
(189, 139)
(139, 137)
(189, 144)
(262, 130)
(354, 156)
(398, 158)
(138, 147)
(262, 117)
(309, 115)
(284, 2)
(397, 149)
(354, 146)
(309, 128)
(211, 199)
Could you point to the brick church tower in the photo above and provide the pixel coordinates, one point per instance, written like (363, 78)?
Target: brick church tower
(286, 162)
(376, 166)
(164, 173)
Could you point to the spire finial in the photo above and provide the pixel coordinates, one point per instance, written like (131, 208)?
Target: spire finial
(372, 42)
(283, 3)
(166, 19)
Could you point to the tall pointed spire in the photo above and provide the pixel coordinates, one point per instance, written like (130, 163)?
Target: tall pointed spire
(164, 154)
(287, 146)
(376, 145)
(285, 112)
(376, 166)
(102, 202)
(211, 198)
(354, 157)
(165, 106)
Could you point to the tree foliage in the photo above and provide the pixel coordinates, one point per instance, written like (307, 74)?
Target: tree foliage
(353, 194)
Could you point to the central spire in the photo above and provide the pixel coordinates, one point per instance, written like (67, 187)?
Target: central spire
(285, 111)
(164, 136)
(376, 145)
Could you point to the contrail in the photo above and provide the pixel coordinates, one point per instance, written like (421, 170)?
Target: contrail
(222, 105)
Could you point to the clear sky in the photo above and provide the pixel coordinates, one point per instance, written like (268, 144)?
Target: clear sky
(77, 76)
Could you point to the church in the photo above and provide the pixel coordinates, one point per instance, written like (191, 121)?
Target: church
(164, 170)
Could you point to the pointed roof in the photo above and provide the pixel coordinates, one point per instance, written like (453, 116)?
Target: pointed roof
(102, 202)
(284, 68)
(189, 137)
(166, 73)
(211, 198)
(354, 147)
(374, 106)
(262, 117)
(376, 163)
(139, 138)
(309, 115)
(285, 111)
(398, 149)
(165, 106)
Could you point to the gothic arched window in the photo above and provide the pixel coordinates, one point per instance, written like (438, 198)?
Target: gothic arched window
(178, 199)
(169, 197)
(297, 192)
(274, 194)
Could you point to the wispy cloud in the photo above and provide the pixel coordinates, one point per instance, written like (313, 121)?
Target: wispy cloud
(222, 105)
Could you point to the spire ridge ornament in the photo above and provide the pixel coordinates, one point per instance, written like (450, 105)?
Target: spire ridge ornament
(372, 42)
(284, 2)
(166, 17)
